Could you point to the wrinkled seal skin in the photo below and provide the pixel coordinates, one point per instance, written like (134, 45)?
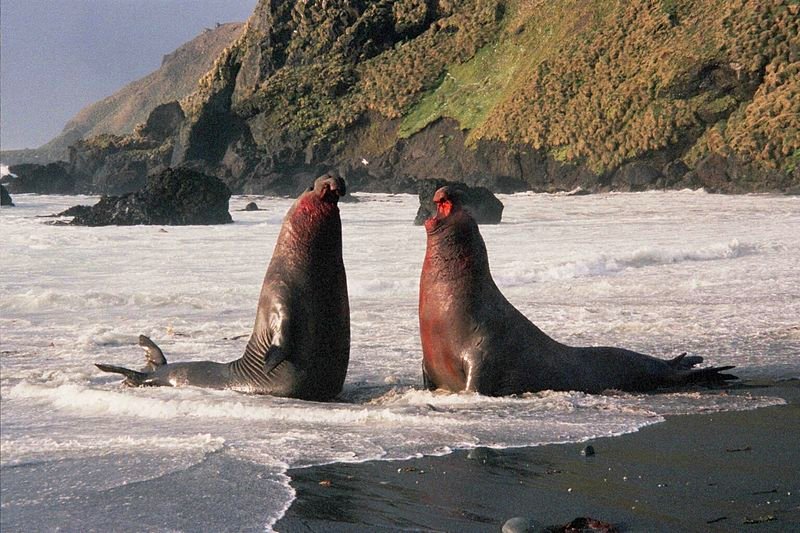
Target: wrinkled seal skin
(474, 340)
(300, 345)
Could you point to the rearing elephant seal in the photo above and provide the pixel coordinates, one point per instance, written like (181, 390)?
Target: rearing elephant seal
(300, 345)
(474, 340)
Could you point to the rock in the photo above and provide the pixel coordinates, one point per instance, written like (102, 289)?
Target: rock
(479, 201)
(519, 524)
(674, 171)
(502, 184)
(588, 451)
(5, 198)
(174, 197)
(635, 176)
(162, 122)
(115, 165)
(712, 172)
(251, 206)
(482, 455)
(586, 525)
(40, 179)
(76, 211)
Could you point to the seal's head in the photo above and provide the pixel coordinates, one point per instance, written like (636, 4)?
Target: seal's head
(448, 209)
(329, 188)
(315, 214)
(322, 198)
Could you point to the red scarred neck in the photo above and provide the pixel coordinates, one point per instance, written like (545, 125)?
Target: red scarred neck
(312, 219)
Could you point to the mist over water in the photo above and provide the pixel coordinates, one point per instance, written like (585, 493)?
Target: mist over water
(661, 273)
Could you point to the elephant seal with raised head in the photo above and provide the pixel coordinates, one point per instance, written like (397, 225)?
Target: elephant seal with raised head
(474, 340)
(300, 345)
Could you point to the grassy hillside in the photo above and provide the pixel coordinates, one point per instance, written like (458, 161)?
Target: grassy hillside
(601, 83)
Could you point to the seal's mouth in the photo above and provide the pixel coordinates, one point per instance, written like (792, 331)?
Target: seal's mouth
(443, 209)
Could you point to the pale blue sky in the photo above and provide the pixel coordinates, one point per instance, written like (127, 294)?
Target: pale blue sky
(57, 56)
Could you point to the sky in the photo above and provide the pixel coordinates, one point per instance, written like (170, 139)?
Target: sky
(58, 56)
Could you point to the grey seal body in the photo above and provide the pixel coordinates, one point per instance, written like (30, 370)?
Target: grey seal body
(473, 339)
(300, 344)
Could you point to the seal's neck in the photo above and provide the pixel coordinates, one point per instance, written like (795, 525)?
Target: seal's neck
(312, 228)
(456, 252)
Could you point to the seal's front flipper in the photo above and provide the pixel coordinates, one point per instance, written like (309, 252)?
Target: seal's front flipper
(153, 354)
(132, 377)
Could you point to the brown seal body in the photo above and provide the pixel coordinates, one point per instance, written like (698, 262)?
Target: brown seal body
(474, 340)
(300, 345)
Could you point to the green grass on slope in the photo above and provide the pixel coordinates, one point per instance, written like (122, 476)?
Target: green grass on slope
(469, 91)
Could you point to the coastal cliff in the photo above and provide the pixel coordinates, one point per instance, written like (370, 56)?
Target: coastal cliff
(119, 113)
(511, 95)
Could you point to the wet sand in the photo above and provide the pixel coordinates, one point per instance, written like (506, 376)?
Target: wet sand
(732, 471)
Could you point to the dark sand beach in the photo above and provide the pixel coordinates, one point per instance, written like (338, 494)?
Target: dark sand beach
(730, 471)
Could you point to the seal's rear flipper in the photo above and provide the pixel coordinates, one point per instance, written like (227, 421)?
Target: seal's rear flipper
(707, 376)
(153, 354)
(687, 374)
(133, 378)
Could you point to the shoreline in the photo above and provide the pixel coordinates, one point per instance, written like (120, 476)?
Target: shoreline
(720, 471)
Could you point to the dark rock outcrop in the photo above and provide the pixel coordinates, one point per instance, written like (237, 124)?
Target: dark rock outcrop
(112, 164)
(76, 211)
(251, 206)
(162, 122)
(53, 178)
(636, 176)
(673, 172)
(173, 197)
(484, 206)
(5, 198)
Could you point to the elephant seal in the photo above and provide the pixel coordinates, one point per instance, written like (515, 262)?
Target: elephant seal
(474, 340)
(300, 345)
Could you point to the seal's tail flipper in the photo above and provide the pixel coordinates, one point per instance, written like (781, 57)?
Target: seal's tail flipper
(132, 377)
(686, 373)
(712, 375)
(153, 354)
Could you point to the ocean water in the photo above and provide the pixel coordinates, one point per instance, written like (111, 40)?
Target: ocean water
(661, 273)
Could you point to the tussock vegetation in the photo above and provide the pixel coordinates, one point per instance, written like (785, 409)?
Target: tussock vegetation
(617, 81)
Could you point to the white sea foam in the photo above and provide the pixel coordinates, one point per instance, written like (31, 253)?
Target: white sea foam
(27, 448)
(662, 273)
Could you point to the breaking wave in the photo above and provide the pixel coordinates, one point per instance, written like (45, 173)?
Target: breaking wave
(607, 264)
